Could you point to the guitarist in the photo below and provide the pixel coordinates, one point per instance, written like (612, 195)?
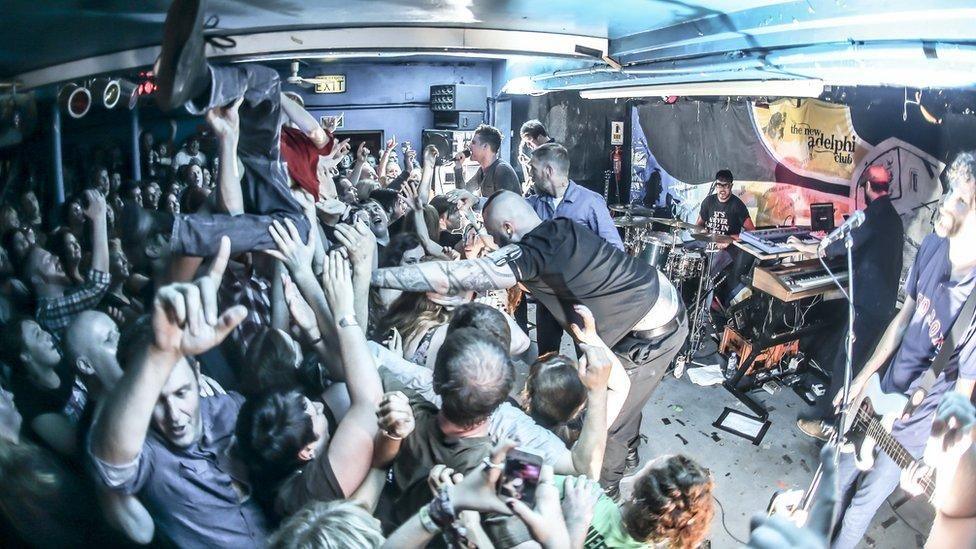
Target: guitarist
(939, 282)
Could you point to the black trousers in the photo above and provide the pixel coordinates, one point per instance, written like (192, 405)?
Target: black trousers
(264, 184)
(548, 332)
(646, 362)
(868, 329)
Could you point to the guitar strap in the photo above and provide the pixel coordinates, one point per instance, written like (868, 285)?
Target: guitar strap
(952, 338)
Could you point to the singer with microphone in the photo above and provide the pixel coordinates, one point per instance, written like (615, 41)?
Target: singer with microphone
(877, 244)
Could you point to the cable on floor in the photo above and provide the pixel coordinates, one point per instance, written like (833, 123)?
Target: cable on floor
(722, 510)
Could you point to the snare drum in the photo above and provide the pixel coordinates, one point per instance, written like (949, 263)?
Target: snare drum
(655, 250)
(685, 264)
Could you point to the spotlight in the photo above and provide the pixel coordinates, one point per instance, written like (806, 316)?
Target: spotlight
(75, 99)
(113, 92)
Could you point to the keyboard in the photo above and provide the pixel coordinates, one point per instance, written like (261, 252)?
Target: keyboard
(773, 241)
(789, 282)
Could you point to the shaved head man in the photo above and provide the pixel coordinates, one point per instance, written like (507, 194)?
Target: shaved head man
(563, 263)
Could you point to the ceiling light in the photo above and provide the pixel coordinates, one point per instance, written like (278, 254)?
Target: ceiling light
(775, 88)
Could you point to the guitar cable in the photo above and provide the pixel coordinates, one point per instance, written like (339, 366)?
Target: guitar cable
(908, 524)
(726, 528)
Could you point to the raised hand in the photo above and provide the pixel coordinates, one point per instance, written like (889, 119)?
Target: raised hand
(579, 502)
(595, 366)
(585, 331)
(291, 251)
(430, 156)
(462, 199)
(185, 318)
(337, 284)
(395, 416)
(362, 152)
(226, 121)
(440, 476)
(410, 195)
(96, 205)
(391, 143)
(477, 491)
(301, 312)
(359, 242)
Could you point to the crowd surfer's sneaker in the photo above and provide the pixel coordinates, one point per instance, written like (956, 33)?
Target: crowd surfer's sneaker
(181, 71)
(137, 224)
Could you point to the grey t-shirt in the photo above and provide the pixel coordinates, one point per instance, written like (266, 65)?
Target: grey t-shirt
(499, 176)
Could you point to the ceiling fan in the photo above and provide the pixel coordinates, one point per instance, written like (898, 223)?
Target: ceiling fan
(299, 80)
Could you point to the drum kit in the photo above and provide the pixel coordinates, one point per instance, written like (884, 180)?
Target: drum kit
(682, 251)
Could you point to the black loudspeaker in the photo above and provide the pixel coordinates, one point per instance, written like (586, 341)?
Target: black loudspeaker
(458, 120)
(458, 97)
(442, 139)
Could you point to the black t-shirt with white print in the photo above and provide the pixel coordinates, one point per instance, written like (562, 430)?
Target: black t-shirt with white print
(724, 217)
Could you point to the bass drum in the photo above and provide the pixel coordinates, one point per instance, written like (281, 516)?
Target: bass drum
(655, 250)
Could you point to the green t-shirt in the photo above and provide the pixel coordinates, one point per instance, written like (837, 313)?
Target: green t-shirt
(607, 527)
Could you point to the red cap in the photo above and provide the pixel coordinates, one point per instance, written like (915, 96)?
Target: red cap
(879, 175)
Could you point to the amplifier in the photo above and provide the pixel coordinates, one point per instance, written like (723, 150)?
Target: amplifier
(458, 97)
(458, 120)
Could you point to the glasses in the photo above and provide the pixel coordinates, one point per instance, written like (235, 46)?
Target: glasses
(723, 184)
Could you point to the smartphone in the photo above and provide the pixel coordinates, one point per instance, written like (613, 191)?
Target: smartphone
(520, 476)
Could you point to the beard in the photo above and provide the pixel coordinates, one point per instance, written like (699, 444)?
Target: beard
(946, 225)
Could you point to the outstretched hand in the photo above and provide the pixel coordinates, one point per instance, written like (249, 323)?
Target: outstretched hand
(585, 330)
(301, 312)
(546, 522)
(97, 208)
(226, 121)
(296, 256)
(185, 318)
(359, 242)
(337, 284)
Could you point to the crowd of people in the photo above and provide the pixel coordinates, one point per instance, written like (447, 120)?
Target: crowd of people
(277, 339)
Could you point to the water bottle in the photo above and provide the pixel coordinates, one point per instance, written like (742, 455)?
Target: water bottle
(732, 365)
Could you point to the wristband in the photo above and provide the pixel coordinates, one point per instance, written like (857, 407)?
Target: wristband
(316, 341)
(348, 321)
(442, 510)
(426, 521)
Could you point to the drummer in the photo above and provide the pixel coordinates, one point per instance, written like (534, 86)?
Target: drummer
(725, 214)
(556, 195)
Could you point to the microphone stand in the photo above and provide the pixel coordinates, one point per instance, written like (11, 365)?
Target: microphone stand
(805, 502)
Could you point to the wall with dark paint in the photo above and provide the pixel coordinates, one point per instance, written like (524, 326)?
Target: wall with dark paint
(582, 126)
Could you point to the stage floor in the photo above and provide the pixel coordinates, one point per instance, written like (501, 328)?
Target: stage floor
(679, 418)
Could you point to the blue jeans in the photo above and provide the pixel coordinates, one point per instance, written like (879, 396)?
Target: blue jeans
(857, 511)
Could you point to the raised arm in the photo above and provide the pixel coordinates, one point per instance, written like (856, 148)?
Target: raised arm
(96, 212)
(360, 245)
(298, 116)
(450, 277)
(384, 158)
(355, 434)
(357, 169)
(226, 124)
(185, 322)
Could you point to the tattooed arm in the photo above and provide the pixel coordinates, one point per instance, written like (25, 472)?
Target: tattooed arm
(448, 277)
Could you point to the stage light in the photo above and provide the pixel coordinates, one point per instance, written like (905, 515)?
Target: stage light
(75, 99)
(774, 88)
(112, 92)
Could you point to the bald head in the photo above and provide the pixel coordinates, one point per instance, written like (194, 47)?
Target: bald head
(90, 344)
(508, 217)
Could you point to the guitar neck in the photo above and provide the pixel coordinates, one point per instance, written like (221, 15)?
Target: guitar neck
(893, 448)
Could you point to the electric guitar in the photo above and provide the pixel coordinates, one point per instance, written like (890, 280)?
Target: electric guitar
(867, 428)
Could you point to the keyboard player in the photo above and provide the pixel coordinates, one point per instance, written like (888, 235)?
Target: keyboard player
(877, 262)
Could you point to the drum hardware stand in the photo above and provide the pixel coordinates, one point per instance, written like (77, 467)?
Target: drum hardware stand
(700, 311)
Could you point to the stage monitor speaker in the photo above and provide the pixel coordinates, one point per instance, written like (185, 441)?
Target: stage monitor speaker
(458, 120)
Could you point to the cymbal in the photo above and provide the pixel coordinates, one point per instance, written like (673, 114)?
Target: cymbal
(631, 209)
(632, 221)
(713, 237)
(678, 224)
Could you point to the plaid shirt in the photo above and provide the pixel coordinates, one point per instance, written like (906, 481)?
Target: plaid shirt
(54, 314)
(241, 287)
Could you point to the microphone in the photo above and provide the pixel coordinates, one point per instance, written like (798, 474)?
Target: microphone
(853, 222)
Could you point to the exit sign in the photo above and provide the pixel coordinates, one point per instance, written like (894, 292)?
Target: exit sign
(330, 83)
